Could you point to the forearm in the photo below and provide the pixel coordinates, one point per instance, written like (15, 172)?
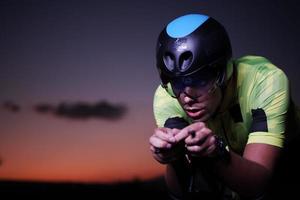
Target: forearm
(246, 177)
(177, 177)
(173, 181)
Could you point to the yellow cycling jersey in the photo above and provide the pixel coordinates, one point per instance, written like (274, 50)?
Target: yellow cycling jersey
(254, 107)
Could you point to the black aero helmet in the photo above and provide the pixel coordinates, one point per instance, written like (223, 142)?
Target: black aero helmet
(192, 44)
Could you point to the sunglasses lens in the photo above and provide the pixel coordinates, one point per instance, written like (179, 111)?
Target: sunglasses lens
(202, 83)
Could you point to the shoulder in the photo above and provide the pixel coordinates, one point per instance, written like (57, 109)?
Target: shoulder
(251, 60)
(263, 90)
(161, 96)
(162, 99)
(257, 72)
(258, 66)
(165, 107)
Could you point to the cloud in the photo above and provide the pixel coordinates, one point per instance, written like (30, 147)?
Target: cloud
(83, 110)
(11, 106)
(44, 108)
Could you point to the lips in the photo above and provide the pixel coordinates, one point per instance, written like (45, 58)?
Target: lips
(193, 112)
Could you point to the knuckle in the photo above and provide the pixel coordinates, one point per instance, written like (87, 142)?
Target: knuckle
(156, 131)
(159, 129)
(194, 149)
(200, 135)
(187, 140)
(164, 144)
(151, 140)
(203, 133)
(175, 129)
(212, 140)
(207, 135)
(199, 125)
(152, 149)
(209, 131)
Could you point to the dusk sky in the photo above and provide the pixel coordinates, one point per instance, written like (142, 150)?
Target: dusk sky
(77, 79)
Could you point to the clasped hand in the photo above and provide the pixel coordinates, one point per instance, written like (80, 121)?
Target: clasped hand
(196, 140)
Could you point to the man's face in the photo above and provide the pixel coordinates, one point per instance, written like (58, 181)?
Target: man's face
(198, 104)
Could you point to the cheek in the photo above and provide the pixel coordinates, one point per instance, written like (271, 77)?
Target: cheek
(214, 100)
(180, 100)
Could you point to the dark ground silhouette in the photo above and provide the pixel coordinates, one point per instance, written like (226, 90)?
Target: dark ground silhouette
(285, 185)
(152, 189)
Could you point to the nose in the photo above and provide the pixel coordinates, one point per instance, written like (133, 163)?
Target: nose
(190, 94)
(187, 99)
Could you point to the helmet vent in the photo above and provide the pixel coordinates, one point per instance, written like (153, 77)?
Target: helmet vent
(185, 60)
(169, 60)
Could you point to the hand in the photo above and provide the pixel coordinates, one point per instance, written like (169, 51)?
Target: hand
(165, 148)
(199, 140)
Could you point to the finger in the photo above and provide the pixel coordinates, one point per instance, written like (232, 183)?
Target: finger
(164, 130)
(199, 138)
(203, 147)
(197, 141)
(196, 126)
(212, 140)
(208, 142)
(188, 130)
(181, 135)
(152, 149)
(195, 150)
(175, 131)
(165, 136)
(168, 131)
(210, 151)
(207, 148)
(159, 143)
(155, 150)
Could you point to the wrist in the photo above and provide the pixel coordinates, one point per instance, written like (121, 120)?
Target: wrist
(222, 153)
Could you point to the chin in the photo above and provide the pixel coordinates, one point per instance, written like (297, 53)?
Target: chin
(200, 118)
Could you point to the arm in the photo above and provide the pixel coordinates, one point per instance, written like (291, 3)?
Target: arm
(172, 155)
(166, 108)
(249, 174)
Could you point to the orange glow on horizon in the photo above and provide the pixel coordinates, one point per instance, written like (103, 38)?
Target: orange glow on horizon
(65, 176)
(50, 149)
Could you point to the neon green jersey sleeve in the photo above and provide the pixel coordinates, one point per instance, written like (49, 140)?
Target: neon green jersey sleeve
(269, 95)
(165, 107)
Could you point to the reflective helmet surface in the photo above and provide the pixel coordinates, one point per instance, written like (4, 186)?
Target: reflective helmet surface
(192, 44)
